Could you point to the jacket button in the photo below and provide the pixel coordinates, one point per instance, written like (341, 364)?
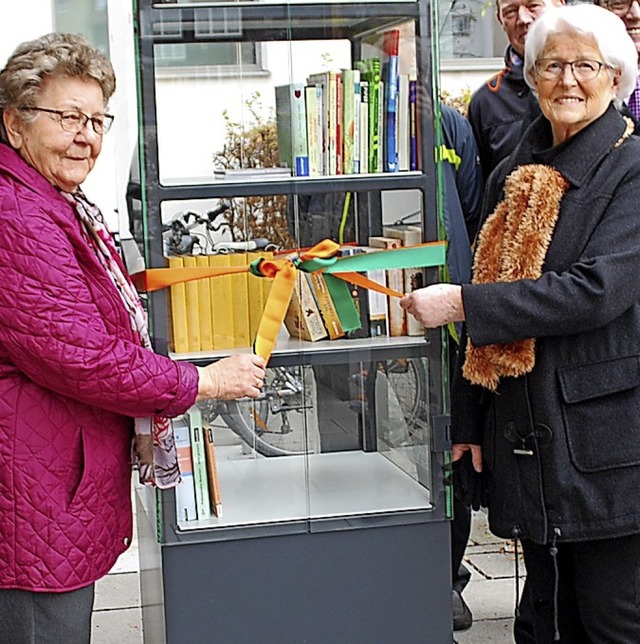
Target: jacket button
(127, 541)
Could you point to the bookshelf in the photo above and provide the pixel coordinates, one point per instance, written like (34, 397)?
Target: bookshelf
(333, 495)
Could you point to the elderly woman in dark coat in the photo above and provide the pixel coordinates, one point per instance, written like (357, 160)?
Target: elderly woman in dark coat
(546, 400)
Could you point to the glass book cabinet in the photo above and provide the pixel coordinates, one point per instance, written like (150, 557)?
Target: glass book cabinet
(319, 512)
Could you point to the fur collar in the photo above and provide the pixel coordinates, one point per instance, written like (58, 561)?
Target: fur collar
(512, 245)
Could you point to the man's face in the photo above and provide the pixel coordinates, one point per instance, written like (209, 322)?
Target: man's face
(516, 16)
(629, 12)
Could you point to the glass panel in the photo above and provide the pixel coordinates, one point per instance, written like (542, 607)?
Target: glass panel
(86, 17)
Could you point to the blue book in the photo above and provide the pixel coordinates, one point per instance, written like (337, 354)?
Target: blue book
(291, 119)
(390, 50)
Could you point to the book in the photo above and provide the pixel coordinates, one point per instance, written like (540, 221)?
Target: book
(291, 121)
(378, 321)
(370, 74)
(178, 297)
(204, 308)
(328, 80)
(403, 122)
(303, 319)
(348, 121)
(363, 126)
(247, 174)
(255, 296)
(215, 498)
(193, 313)
(339, 125)
(185, 490)
(200, 482)
(394, 280)
(381, 129)
(409, 236)
(221, 311)
(313, 98)
(325, 304)
(413, 124)
(240, 302)
(390, 51)
(360, 297)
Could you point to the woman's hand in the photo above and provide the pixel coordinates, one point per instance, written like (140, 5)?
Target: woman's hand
(234, 377)
(435, 305)
(458, 450)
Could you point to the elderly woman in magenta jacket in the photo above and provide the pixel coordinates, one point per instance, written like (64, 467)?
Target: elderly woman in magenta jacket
(78, 379)
(546, 400)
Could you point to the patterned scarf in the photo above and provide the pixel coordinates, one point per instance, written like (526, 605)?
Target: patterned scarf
(154, 450)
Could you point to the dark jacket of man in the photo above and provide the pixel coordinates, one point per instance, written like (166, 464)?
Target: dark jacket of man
(500, 111)
(578, 411)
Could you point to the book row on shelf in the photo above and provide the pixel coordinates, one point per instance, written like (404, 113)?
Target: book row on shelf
(224, 312)
(352, 121)
(198, 493)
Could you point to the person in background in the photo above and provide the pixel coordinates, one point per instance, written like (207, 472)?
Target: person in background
(80, 383)
(502, 108)
(462, 188)
(629, 12)
(546, 399)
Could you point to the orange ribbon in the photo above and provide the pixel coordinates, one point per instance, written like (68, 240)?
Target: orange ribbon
(283, 272)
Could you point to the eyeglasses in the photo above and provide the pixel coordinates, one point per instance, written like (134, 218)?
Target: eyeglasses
(74, 120)
(582, 70)
(621, 7)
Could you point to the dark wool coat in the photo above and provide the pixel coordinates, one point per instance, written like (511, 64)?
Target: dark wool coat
(574, 421)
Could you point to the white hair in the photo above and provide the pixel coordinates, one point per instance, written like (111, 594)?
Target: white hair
(607, 30)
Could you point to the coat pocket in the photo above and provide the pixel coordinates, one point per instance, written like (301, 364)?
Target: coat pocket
(601, 410)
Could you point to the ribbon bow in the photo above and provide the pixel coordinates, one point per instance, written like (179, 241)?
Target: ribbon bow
(324, 258)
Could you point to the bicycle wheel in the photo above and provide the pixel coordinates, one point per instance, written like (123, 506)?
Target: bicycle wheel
(407, 384)
(283, 420)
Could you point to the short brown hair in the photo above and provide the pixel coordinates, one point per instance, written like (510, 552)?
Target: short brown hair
(50, 56)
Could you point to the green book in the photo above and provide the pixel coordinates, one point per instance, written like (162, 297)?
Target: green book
(370, 72)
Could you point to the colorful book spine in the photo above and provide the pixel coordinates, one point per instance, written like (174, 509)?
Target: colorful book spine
(413, 124)
(185, 490)
(200, 482)
(291, 120)
(348, 121)
(409, 236)
(179, 311)
(326, 306)
(215, 497)
(403, 122)
(394, 280)
(313, 98)
(390, 50)
(193, 312)
(303, 319)
(364, 126)
(204, 308)
(339, 124)
(370, 72)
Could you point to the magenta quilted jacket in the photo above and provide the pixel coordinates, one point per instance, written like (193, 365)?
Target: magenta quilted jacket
(72, 376)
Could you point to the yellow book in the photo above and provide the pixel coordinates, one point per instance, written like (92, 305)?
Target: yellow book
(326, 306)
(240, 302)
(193, 313)
(303, 319)
(255, 295)
(265, 282)
(178, 311)
(221, 313)
(204, 308)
